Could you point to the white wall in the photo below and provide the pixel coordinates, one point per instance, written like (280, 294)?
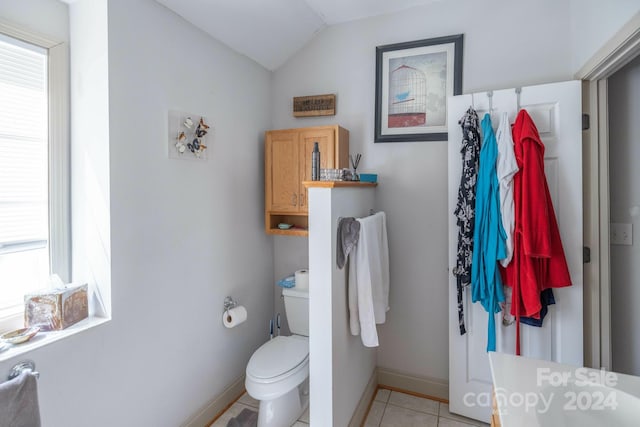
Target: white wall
(89, 76)
(340, 366)
(183, 234)
(624, 152)
(594, 22)
(503, 47)
(290, 253)
(49, 17)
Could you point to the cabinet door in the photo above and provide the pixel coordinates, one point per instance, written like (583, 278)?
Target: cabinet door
(282, 172)
(326, 144)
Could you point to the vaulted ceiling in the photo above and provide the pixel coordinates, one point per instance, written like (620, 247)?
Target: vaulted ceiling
(271, 31)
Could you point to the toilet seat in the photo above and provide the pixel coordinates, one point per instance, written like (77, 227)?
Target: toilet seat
(278, 357)
(277, 366)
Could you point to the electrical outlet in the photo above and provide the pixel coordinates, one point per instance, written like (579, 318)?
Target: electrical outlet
(621, 234)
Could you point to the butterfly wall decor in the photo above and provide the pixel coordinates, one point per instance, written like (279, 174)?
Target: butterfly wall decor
(190, 137)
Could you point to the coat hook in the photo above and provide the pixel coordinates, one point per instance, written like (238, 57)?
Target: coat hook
(518, 91)
(490, 95)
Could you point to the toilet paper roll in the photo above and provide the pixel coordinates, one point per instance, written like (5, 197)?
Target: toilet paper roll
(302, 279)
(234, 317)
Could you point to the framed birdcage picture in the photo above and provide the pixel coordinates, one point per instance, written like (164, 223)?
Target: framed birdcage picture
(413, 81)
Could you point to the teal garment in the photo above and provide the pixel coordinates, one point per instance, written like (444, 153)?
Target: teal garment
(489, 236)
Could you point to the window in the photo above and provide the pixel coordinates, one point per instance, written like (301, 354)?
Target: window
(34, 232)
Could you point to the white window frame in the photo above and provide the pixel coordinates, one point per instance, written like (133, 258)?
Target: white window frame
(59, 157)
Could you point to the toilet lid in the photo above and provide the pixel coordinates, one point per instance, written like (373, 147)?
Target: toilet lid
(278, 356)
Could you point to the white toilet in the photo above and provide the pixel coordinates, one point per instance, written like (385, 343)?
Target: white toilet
(278, 372)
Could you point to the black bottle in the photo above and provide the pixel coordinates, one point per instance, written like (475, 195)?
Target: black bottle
(315, 163)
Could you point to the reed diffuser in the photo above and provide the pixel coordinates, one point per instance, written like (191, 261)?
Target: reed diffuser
(354, 163)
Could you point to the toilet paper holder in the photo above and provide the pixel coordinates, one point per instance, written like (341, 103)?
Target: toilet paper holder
(229, 303)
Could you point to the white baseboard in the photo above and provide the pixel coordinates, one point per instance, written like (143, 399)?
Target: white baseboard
(362, 409)
(217, 405)
(381, 377)
(431, 387)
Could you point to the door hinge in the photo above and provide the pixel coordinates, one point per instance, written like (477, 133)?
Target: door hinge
(585, 121)
(586, 255)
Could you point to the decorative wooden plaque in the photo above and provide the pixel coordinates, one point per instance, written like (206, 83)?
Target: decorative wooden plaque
(316, 105)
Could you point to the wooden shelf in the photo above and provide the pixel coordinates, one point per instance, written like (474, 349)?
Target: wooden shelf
(334, 184)
(290, 232)
(298, 219)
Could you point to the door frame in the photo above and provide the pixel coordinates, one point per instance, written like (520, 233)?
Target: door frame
(621, 49)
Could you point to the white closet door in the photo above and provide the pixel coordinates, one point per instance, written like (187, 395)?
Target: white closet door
(556, 110)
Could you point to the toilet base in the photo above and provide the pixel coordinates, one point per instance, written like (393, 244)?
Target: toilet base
(286, 409)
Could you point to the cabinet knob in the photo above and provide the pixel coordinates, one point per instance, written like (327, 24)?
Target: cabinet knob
(302, 198)
(294, 199)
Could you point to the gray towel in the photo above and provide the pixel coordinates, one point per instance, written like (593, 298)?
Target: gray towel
(19, 401)
(246, 418)
(348, 234)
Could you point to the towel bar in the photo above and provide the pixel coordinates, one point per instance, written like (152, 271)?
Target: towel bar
(26, 365)
(371, 212)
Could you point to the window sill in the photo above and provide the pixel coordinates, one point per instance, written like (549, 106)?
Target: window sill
(45, 338)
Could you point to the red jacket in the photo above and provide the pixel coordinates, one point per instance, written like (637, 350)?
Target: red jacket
(538, 260)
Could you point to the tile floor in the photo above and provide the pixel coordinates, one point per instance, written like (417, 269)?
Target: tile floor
(389, 409)
(395, 409)
(249, 402)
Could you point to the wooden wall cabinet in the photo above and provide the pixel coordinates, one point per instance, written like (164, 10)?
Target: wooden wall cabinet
(288, 163)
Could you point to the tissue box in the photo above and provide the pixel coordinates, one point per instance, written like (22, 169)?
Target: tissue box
(56, 309)
(368, 177)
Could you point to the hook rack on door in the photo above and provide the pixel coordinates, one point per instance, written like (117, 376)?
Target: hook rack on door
(490, 96)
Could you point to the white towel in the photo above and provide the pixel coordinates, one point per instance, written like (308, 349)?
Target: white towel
(19, 402)
(506, 168)
(369, 279)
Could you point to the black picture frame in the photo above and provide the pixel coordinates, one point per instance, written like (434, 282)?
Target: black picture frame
(413, 81)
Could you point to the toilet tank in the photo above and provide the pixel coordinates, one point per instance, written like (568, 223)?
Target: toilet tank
(296, 305)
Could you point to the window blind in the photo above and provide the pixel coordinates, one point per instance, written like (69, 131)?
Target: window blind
(23, 146)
